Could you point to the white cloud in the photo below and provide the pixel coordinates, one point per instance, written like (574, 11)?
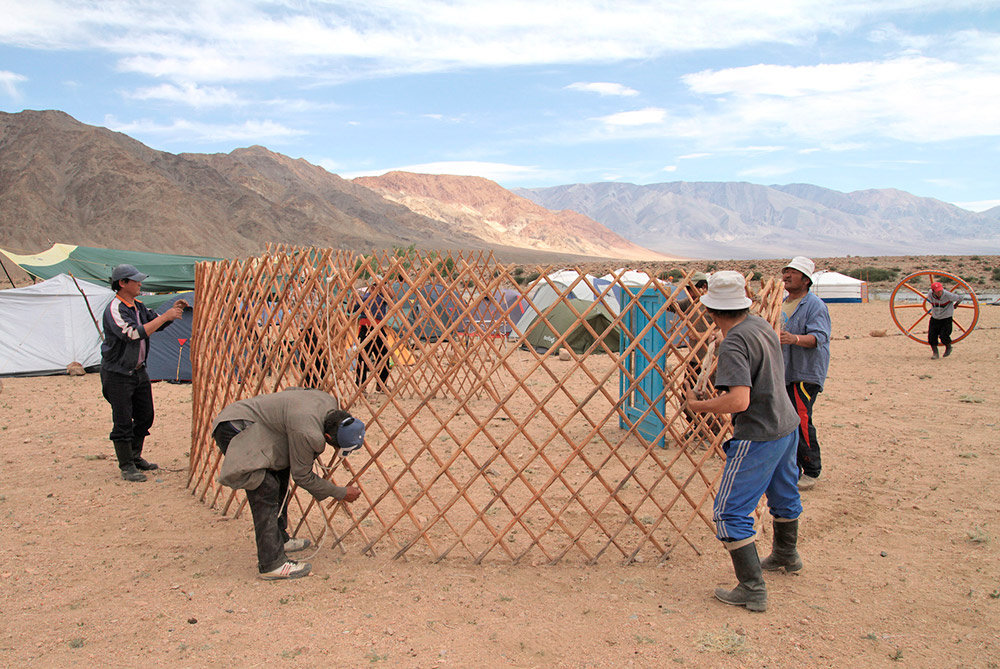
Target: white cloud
(692, 156)
(767, 171)
(639, 117)
(670, 168)
(188, 94)
(604, 88)
(9, 82)
(255, 132)
(254, 40)
(758, 149)
(981, 205)
(910, 98)
(500, 172)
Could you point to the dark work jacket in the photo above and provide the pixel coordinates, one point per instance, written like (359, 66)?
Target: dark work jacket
(123, 335)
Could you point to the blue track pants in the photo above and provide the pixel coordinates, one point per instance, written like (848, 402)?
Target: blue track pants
(755, 468)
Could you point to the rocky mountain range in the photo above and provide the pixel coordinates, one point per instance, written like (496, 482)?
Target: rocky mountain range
(743, 220)
(64, 181)
(492, 213)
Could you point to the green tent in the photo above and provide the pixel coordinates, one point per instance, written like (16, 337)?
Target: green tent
(579, 338)
(167, 273)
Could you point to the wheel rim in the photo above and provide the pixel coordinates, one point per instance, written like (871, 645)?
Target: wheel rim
(908, 316)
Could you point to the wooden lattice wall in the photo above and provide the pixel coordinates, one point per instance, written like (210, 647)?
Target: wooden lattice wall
(477, 446)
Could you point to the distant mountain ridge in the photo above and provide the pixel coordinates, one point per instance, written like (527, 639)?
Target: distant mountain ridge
(490, 212)
(744, 220)
(64, 181)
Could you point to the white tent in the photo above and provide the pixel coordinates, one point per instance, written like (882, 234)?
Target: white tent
(46, 326)
(632, 278)
(547, 292)
(836, 287)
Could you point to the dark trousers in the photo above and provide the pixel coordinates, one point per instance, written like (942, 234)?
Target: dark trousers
(270, 519)
(939, 328)
(131, 400)
(267, 507)
(803, 396)
(377, 357)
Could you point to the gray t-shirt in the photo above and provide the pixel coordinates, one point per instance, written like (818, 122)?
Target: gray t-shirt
(944, 306)
(750, 355)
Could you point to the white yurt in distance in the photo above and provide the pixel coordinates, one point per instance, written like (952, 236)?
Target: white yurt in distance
(836, 287)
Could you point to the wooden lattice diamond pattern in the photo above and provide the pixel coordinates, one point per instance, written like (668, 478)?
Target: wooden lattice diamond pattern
(478, 444)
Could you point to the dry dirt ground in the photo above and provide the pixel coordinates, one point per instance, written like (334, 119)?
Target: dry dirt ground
(900, 539)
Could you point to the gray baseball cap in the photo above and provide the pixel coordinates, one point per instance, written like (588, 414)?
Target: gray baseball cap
(127, 272)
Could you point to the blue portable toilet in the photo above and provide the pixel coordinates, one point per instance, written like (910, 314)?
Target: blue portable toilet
(648, 396)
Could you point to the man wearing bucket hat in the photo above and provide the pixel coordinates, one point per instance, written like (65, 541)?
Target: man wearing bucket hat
(124, 381)
(805, 345)
(942, 304)
(760, 458)
(266, 439)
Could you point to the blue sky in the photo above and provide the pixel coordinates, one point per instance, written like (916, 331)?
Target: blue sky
(847, 95)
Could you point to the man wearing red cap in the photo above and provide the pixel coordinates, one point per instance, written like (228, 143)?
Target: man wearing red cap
(942, 303)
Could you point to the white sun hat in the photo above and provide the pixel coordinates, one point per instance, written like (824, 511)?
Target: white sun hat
(726, 291)
(804, 265)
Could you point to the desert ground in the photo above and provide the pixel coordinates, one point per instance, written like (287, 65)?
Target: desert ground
(900, 540)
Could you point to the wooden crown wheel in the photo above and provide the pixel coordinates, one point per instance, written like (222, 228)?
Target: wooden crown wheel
(907, 315)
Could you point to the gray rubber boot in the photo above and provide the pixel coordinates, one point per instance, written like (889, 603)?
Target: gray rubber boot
(752, 591)
(123, 449)
(783, 548)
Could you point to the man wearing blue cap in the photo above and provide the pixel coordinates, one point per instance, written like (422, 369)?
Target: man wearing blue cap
(124, 381)
(268, 438)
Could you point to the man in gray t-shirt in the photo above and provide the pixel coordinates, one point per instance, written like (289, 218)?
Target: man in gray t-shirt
(942, 303)
(760, 458)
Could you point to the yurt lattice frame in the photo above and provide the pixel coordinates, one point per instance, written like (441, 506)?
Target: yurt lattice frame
(475, 444)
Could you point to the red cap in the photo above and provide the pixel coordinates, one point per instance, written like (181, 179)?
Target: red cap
(937, 285)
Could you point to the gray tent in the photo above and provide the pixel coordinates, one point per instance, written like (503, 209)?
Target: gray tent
(562, 319)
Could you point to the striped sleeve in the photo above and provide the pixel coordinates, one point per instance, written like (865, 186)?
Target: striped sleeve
(123, 322)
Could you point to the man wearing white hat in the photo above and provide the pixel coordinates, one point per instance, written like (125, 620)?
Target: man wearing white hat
(805, 344)
(760, 458)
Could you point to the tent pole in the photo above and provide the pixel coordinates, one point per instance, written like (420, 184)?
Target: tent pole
(12, 284)
(89, 310)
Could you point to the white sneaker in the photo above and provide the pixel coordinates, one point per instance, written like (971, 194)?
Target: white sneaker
(296, 545)
(807, 482)
(291, 569)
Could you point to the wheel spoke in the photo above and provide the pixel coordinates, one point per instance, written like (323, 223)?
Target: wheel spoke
(920, 293)
(917, 322)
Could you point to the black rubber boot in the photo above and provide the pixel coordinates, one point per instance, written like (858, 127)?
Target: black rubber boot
(140, 463)
(751, 592)
(123, 449)
(947, 350)
(783, 548)
(934, 353)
